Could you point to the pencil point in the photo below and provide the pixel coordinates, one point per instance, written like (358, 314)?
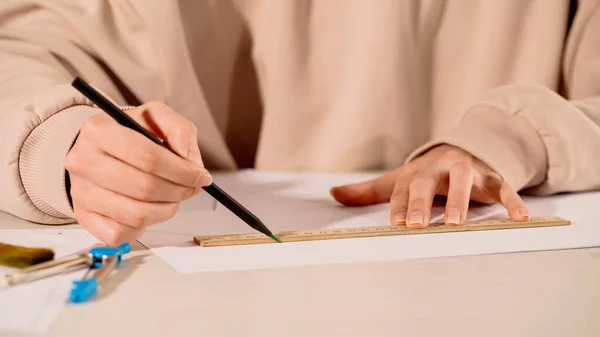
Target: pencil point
(274, 238)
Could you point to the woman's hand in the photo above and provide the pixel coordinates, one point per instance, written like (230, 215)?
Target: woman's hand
(444, 170)
(122, 182)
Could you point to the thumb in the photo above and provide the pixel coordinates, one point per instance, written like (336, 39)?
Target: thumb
(365, 193)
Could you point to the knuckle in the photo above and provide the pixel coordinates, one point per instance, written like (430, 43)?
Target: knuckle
(424, 174)
(417, 203)
(457, 153)
(462, 165)
(191, 127)
(148, 160)
(400, 192)
(457, 198)
(71, 161)
(454, 156)
(147, 187)
(89, 126)
(93, 125)
(492, 179)
(460, 194)
(188, 193)
(189, 176)
(138, 218)
(421, 179)
(77, 159)
(185, 129)
(114, 237)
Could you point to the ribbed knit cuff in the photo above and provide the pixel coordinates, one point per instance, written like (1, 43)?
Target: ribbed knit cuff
(41, 160)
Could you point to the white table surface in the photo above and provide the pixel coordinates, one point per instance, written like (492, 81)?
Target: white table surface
(551, 293)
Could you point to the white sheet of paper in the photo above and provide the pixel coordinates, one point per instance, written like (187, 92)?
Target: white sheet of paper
(31, 307)
(301, 201)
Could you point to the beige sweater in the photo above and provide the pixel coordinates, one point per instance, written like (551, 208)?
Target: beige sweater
(321, 85)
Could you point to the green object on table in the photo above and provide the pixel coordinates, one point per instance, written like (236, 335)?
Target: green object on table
(21, 257)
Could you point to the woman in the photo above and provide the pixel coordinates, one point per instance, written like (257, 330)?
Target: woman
(476, 100)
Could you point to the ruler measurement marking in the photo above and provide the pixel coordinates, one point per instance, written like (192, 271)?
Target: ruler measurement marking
(375, 231)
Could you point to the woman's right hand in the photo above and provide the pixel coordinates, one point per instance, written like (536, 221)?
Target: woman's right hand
(122, 182)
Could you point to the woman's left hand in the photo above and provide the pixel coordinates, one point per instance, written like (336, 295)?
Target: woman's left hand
(444, 170)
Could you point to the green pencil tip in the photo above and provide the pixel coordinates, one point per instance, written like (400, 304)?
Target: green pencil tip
(274, 238)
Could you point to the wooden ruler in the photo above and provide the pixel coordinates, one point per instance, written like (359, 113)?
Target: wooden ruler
(364, 232)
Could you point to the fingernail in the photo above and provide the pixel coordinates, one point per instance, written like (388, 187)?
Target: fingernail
(416, 218)
(524, 213)
(453, 216)
(400, 219)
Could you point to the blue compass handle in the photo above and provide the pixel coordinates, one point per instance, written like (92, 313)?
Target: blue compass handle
(100, 252)
(103, 259)
(83, 290)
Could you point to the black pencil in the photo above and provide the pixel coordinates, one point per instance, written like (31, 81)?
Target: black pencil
(214, 190)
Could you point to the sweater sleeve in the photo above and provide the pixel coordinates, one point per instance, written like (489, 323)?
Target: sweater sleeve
(541, 142)
(40, 113)
(537, 140)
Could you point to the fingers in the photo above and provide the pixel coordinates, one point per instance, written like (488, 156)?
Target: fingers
(514, 204)
(443, 170)
(500, 191)
(117, 176)
(179, 132)
(134, 149)
(421, 191)
(365, 193)
(121, 182)
(121, 209)
(459, 192)
(399, 200)
(106, 229)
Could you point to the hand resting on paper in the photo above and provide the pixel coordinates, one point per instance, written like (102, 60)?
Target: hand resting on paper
(444, 170)
(121, 182)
